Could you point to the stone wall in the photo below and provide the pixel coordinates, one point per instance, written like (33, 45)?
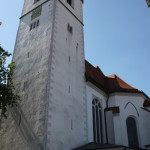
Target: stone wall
(25, 127)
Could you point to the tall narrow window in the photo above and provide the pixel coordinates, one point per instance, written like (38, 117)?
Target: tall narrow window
(69, 89)
(70, 28)
(24, 86)
(28, 55)
(31, 25)
(97, 121)
(36, 1)
(77, 48)
(35, 24)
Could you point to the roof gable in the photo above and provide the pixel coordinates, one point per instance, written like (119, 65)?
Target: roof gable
(112, 83)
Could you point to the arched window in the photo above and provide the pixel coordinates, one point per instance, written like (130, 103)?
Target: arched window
(132, 133)
(97, 121)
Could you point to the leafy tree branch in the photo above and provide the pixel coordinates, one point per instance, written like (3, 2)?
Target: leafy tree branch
(7, 96)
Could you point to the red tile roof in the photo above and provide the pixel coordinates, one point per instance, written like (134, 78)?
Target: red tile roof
(109, 84)
(95, 74)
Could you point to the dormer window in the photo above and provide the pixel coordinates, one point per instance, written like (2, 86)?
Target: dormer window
(70, 2)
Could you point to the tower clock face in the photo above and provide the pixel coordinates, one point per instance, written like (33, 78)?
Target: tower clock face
(36, 13)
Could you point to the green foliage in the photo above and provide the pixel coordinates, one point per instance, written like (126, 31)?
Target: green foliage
(0, 23)
(7, 96)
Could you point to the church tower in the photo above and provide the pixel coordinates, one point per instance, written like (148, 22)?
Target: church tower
(49, 77)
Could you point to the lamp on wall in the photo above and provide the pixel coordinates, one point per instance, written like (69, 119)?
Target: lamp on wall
(148, 3)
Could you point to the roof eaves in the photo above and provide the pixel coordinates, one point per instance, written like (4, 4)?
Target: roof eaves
(90, 79)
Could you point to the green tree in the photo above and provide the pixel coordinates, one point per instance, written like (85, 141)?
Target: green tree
(7, 96)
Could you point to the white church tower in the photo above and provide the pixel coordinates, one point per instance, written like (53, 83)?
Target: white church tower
(49, 77)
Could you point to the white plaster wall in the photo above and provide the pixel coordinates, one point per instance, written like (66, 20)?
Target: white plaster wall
(110, 127)
(67, 127)
(94, 92)
(76, 9)
(30, 80)
(121, 100)
(112, 100)
(118, 130)
(145, 127)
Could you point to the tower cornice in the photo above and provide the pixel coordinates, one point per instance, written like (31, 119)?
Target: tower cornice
(61, 3)
(34, 9)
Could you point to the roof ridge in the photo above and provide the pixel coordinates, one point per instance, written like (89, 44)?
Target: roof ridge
(109, 83)
(112, 76)
(126, 82)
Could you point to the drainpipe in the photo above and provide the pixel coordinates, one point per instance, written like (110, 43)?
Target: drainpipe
(105, 119)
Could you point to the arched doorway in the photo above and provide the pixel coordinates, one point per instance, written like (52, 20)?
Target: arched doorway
(97, 121)
(132, 133)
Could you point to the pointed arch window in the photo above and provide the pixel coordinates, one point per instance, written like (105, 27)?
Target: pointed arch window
(97, 121)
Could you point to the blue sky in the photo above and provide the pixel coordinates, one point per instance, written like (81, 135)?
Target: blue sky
(117, 36)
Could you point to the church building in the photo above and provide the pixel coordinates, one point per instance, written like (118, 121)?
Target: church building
(66, 102)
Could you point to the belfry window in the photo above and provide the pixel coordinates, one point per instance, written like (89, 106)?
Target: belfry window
(70, 2)
(36, 1)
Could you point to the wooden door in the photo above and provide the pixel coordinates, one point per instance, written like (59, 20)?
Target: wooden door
(132, 133)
